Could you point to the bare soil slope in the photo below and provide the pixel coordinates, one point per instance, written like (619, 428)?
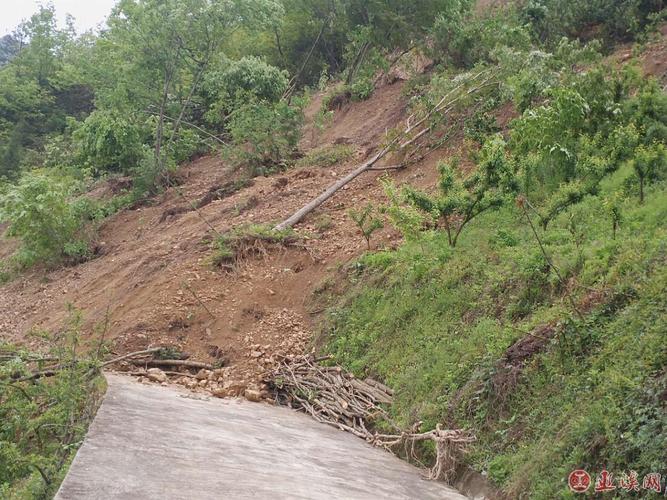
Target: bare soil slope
(154, 276)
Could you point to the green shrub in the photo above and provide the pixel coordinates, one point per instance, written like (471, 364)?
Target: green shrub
(264, 135)
(367, 222)
(44, 421)
(249, 76)
(466, 41)
(608, 19)
(361, 89)
(49, 223)
(109, 142)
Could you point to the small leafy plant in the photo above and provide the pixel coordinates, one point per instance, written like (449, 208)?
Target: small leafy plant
(367, 222)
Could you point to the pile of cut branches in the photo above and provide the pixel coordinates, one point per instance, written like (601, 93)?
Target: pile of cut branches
(335, 397)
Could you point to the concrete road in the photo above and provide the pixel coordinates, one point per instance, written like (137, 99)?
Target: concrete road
(153, 442)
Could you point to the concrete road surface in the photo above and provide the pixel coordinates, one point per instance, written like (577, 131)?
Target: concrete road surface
(153, 442)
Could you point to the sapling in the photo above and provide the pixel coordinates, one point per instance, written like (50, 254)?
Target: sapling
(367, 222)
(612, 205)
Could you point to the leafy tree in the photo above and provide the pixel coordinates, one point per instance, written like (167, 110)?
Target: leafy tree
(9, 47)
(109, 142)
(10, 155)
(49, 224)
(612, 205)
(40, 58)
(406, 218)
(164, 49)
(464, 39)
(552, 19)
(461, 200)
(249, 76)
(264, 135)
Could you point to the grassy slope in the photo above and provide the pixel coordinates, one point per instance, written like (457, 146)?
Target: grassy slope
(435, 322)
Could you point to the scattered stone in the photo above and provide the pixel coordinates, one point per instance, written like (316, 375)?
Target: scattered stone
(253, 395)
(202, 374)
(219, 392)
(156, 375)
(233, 387)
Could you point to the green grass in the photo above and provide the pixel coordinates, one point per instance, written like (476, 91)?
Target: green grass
(326, 156)
(434, 322)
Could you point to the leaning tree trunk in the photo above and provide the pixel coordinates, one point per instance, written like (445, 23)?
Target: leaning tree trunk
(444, 105)
(300, 214)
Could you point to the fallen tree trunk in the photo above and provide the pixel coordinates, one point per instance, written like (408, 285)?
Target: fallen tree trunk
(331, 190)
(443, 105)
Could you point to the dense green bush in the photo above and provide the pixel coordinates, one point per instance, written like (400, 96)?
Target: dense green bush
(44, 421)
(264, 135)
(466, 41)
(608, 19)
(249, 77)
(109, 142)
(51, 225)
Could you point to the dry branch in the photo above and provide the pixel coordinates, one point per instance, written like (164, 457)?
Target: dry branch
(335, 397)
(131, 355)
(171, 362)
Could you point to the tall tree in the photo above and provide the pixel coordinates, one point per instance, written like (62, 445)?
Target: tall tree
(164, 47)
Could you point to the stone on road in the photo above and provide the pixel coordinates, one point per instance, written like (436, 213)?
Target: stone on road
(154, 442)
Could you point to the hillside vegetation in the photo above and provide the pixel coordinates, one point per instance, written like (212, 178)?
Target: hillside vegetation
(524, 184)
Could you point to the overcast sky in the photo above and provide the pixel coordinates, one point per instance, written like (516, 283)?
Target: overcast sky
(87, 13)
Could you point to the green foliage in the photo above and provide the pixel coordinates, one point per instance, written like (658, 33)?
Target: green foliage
(51, 225)
(465, 40)
(649, 163)
(461, 200)
(367, 222)
(464, 309)
(326, 156)
(247, 77)
(44, 421)
(109, 142)
(575, 156)
(264, 135)
(608, 19)
(404, 217)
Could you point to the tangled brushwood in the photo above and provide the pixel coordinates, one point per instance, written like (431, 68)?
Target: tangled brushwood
(335, 397)
(254, 240)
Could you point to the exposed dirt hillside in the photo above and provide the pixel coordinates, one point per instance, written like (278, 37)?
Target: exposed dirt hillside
(154, 275)
(154, 280)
